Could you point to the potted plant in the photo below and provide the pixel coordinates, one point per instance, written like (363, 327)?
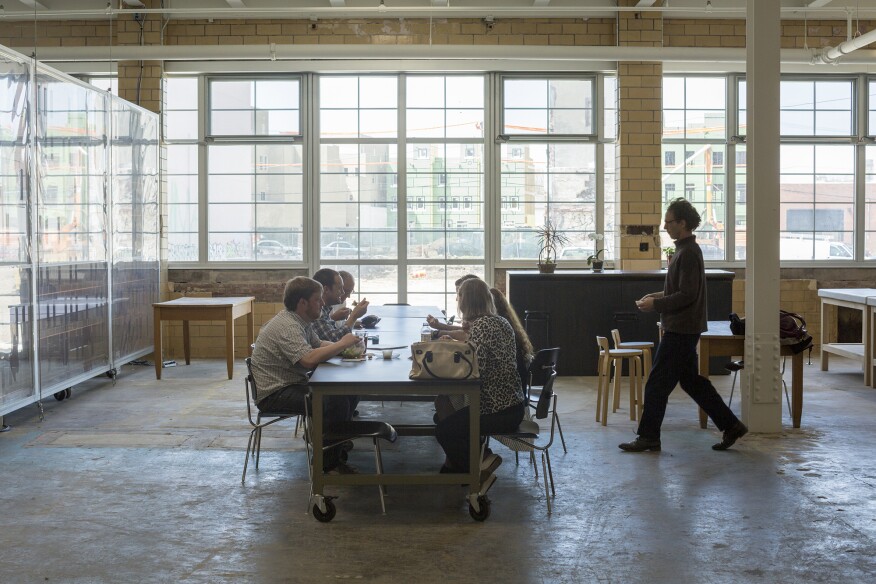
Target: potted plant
(669, 251)
(550, 240)
(594, 260)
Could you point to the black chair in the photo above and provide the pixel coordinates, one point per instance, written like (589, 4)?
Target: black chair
(542, 368)
(528, 433)
(254, 445)
(347, 431)
(737, 366)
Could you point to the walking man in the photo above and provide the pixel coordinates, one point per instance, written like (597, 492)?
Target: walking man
(682, 307)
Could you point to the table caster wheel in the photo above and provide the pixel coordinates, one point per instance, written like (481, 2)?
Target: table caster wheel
(60, 395)
(330, 511)
(484, 512)
(68, 392)
(112, 373)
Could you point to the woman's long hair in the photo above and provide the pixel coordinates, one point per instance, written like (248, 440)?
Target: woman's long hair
(505, 310)
(475, 299)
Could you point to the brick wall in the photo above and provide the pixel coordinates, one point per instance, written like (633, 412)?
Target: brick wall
(640, 130)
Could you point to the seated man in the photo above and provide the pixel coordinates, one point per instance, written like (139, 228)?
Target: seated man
(340, 311)
(287, 349)
(332, 292)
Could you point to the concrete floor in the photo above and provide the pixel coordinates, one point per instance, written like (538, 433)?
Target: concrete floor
(140, 482)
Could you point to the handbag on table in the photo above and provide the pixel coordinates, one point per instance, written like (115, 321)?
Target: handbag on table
(446, 360)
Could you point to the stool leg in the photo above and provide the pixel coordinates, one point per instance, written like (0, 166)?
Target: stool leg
(605, 395)
(732, 388)
(598, 387)
(379, 462)
(618, 371)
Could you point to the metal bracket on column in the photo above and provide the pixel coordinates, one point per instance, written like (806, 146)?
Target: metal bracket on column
(763, 372)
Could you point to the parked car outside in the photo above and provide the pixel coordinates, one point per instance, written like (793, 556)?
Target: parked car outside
(271, 248)
(340, 249)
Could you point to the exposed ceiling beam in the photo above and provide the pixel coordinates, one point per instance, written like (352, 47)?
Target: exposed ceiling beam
(33, 4)
(645, 3)
(817, 3)
(236, 3)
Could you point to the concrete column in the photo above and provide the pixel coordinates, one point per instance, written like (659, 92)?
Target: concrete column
(640, 84)
(761, 380)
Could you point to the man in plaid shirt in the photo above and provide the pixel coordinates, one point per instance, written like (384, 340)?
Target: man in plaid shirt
(332, 293)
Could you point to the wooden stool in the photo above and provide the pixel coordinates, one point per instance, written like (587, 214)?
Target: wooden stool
(646, 347)
(609, 358)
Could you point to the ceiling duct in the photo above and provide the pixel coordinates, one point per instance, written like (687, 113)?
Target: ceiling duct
(832, 55)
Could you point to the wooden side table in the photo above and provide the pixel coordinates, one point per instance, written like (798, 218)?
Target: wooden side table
(186, 309)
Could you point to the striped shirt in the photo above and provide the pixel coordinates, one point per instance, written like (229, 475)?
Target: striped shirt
(327, 329)
(281, 344)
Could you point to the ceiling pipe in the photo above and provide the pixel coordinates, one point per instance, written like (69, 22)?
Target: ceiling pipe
(832, 55)
(448, 11)
(280, 52)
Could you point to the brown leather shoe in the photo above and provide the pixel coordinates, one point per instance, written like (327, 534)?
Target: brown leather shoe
(731, 435)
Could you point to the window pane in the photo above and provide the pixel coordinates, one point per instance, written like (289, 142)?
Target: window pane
(181, 125)
(425, 92)
(254, 195)
(231, 95)
(181, 93)
(255, 107)
(276, 94)
(548, 106)
(465, 92)
(817, 202)
(526, 93)
(526, 121)
(232, 123)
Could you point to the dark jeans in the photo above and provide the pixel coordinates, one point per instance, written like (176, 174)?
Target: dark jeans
(452, 432)
(290, 400)
(676, 362)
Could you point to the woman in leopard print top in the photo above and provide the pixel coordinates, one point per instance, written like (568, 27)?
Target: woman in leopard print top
(502, 403)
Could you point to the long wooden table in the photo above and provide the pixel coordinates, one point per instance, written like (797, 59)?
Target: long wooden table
(718, 341)
(186, 309)
(376, 379)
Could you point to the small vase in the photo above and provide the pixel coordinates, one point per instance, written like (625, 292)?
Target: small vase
(547, 268)
(597, 266)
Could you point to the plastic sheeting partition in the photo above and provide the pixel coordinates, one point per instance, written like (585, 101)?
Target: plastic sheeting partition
(79, 231)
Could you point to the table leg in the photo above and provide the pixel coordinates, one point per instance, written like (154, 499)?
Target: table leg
(828, 329)
(474, 443)
(156, 340)
(704, 371)
(187, 348)
(316, 432)
(229, 343)
(870, 363)
(866, 337)
(250, 329)
(797, 389)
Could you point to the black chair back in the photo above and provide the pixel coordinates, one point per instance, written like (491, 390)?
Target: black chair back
(542, 409)
(543, 364)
